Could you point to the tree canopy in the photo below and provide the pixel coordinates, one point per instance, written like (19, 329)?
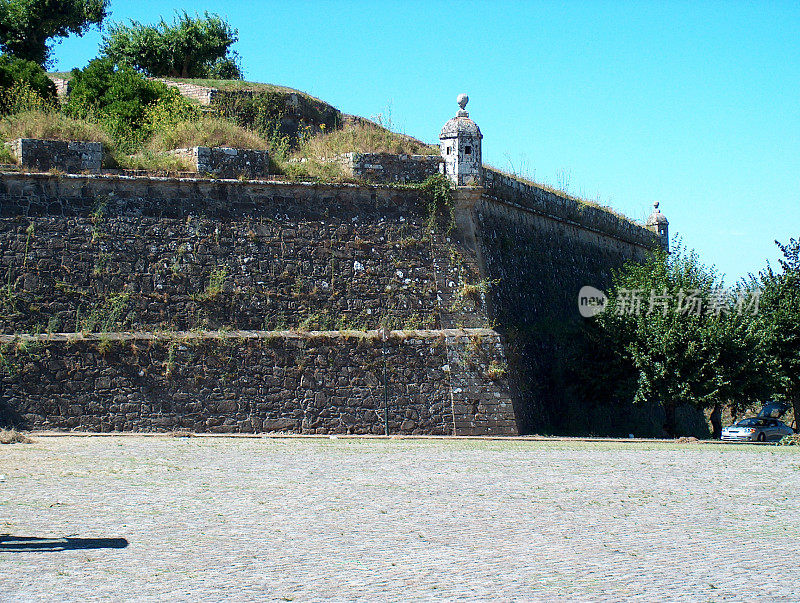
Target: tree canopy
(189, 47)
(779, 320)
(17, 75)
(671, 334)
(26, 26)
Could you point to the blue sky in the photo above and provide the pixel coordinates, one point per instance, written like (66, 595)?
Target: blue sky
(695, 105)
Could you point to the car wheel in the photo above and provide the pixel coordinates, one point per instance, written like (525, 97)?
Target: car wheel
(761, 437)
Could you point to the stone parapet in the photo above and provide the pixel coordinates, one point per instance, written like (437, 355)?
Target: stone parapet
(537, 199)
(387, 167)
(70, 157)
(224, 162)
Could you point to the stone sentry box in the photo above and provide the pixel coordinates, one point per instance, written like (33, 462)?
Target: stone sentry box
(44, 155)
(460, 142)
(224, 162)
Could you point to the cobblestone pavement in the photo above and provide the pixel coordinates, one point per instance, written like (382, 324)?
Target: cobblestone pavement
(366, 519)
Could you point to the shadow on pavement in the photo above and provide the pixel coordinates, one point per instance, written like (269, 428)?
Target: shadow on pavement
(10, 543)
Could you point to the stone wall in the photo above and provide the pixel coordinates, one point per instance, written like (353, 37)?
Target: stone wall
(63, 87)
(114, 253)
(85, 252)
(205, 95)
(44, 155)
(387, 167)
(318, 382)
(538, 249)
(223, 162)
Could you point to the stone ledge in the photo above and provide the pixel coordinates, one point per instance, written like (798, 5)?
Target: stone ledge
(389, 167)
(211, 335)
(44, 175)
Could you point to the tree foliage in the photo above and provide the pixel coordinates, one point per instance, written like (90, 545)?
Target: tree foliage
(670, 334)
(189, 47)
(21, 77)
(779, 321)
(129, 106)
(26, 26)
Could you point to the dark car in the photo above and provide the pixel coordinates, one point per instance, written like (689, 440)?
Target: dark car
(763, 428)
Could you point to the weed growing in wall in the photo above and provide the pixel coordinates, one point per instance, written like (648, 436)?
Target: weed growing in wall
(105, 317)
(216, 283)
(438, 194)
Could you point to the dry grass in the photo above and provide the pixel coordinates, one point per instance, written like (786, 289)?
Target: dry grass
(12, 436)
(206, 132)
(313, 169)
(51, 125)
(363, 136)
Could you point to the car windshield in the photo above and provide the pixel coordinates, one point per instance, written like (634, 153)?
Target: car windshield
(751, 423)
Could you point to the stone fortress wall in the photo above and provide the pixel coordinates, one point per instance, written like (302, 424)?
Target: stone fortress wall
(246, 382)
(87, 253)
(297, 277)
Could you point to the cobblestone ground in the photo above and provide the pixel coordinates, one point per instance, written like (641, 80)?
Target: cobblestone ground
(300, 519)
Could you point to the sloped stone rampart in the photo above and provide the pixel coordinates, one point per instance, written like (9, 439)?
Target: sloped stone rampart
(242, 382)
(205, 95)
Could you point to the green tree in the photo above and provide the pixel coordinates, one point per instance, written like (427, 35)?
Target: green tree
(670, 334)
(26, 26)
(189, 47)
(779, 320)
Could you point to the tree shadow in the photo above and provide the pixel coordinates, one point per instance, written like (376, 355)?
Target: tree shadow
(13, 544)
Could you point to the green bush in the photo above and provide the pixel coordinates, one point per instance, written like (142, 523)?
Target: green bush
(23, 84)
(226, 68)
(128, 106)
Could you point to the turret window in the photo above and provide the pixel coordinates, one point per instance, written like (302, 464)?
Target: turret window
(468, 150)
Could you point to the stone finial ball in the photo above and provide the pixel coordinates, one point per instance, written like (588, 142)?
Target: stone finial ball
(463, 99)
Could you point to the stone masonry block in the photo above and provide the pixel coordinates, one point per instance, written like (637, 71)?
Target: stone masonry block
(70, 157)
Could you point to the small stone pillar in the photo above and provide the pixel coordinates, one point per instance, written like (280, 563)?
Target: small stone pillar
(658, 223)
(460, 144)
